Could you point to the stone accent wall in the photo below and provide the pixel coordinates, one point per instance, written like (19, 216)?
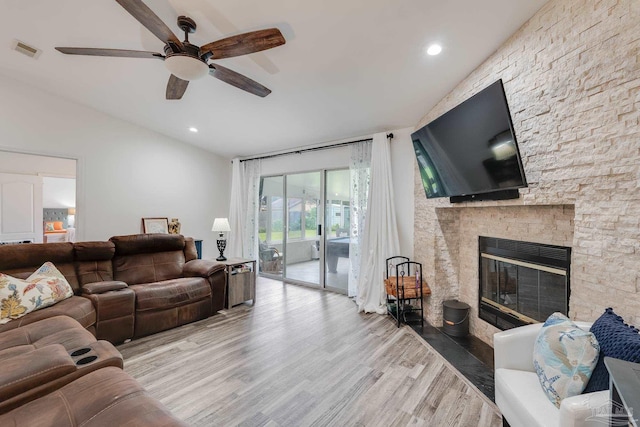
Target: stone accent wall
(572, 79)
(552, 225)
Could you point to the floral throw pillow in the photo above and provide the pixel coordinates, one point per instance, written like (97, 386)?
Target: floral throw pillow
(45, 287)
(564, 357)
(48, 226)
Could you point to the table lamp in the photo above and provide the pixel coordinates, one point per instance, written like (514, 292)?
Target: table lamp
(71, 217)
(221, 225)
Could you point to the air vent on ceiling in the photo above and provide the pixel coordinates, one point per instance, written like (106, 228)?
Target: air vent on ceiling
(25, 49)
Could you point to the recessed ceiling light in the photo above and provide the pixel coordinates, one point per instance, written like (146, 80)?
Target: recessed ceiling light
(194, 130)
(434, 49)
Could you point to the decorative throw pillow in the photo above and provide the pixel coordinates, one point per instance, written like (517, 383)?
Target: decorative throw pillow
(564, 357)
(45, 287)
(48, 226)
(616, 340)
(57, 225)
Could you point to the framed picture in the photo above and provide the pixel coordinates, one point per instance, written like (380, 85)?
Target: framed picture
(155, 225)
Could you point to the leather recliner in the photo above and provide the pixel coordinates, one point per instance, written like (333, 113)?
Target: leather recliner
(43, 356)
(171, 286)
(54, 373)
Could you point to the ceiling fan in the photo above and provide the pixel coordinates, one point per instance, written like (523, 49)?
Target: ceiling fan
(187, 61)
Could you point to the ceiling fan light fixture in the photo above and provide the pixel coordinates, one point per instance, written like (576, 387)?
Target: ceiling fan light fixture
(434, 49)
(186, 67)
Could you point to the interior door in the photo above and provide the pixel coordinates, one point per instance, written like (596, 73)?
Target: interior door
(20, 208)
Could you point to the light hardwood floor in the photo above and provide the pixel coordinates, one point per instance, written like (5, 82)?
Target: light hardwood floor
(303, 357)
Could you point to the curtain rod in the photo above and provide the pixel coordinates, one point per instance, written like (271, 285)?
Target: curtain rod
(323, 147)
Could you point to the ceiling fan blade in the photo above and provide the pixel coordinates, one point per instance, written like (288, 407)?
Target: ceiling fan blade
(176, 87)
(238, 80)
(150, 21)
(243, 44)
(109, 52)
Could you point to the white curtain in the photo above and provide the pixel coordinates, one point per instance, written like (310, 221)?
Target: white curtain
(242, 240)
(380, 238)
(359, 168)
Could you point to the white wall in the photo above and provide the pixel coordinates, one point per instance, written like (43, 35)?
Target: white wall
(11, 162)
(402, 160)
(125, 172)
(58, 193)
(402, 164)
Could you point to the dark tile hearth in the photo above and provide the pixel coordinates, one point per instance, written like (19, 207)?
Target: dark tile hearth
(469, 355)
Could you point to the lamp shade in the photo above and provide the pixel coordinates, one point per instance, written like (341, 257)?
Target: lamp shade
(221, 225)
(71, 211)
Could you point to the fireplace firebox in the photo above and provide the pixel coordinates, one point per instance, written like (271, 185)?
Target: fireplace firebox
(522, 282)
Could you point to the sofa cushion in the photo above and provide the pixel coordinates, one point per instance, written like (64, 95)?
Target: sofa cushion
(78, 308)
(21, 373)
(61, 330)
(93, 261)
(45, 287)
(147, 268)
(522, 402)
(564, 357)
(617, 340)
(147, 243)
(170, 293)
(21, 260)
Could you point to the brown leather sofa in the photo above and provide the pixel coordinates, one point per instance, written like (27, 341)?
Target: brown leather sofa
(172, 287)
(127, 287)
(54, 373)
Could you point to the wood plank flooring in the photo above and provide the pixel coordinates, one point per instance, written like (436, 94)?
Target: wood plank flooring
(303, 357)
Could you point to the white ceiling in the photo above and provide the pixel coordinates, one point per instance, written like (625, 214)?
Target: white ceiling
(349, 67)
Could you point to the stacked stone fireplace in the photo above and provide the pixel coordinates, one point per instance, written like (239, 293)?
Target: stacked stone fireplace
(571, 80)
(454, 247)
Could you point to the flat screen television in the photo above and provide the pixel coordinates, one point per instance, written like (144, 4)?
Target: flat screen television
(471, 152)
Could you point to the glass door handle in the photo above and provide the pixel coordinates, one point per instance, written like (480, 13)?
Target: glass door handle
(319, 229)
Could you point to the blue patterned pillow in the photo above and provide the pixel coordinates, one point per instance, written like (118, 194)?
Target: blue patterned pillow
(616, 340)
(564, 357)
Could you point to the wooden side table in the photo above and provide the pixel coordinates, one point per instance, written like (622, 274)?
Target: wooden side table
(240, 275)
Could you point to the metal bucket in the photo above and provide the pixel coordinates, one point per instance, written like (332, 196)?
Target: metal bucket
(455, 318)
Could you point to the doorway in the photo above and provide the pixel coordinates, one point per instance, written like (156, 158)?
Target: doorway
(304, 221)
(38, 198)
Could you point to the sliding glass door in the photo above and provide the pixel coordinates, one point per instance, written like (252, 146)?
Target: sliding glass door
(304, 225)
(337, 225)
(303, 192)
(271, 221)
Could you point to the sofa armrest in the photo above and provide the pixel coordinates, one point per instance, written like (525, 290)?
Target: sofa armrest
(201, 268)
(213, 271)
(114, 303)
(513, 348)
(102, 287)
(25, 371)
(586, 410)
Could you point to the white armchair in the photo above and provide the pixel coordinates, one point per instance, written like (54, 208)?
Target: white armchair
(519, 395)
